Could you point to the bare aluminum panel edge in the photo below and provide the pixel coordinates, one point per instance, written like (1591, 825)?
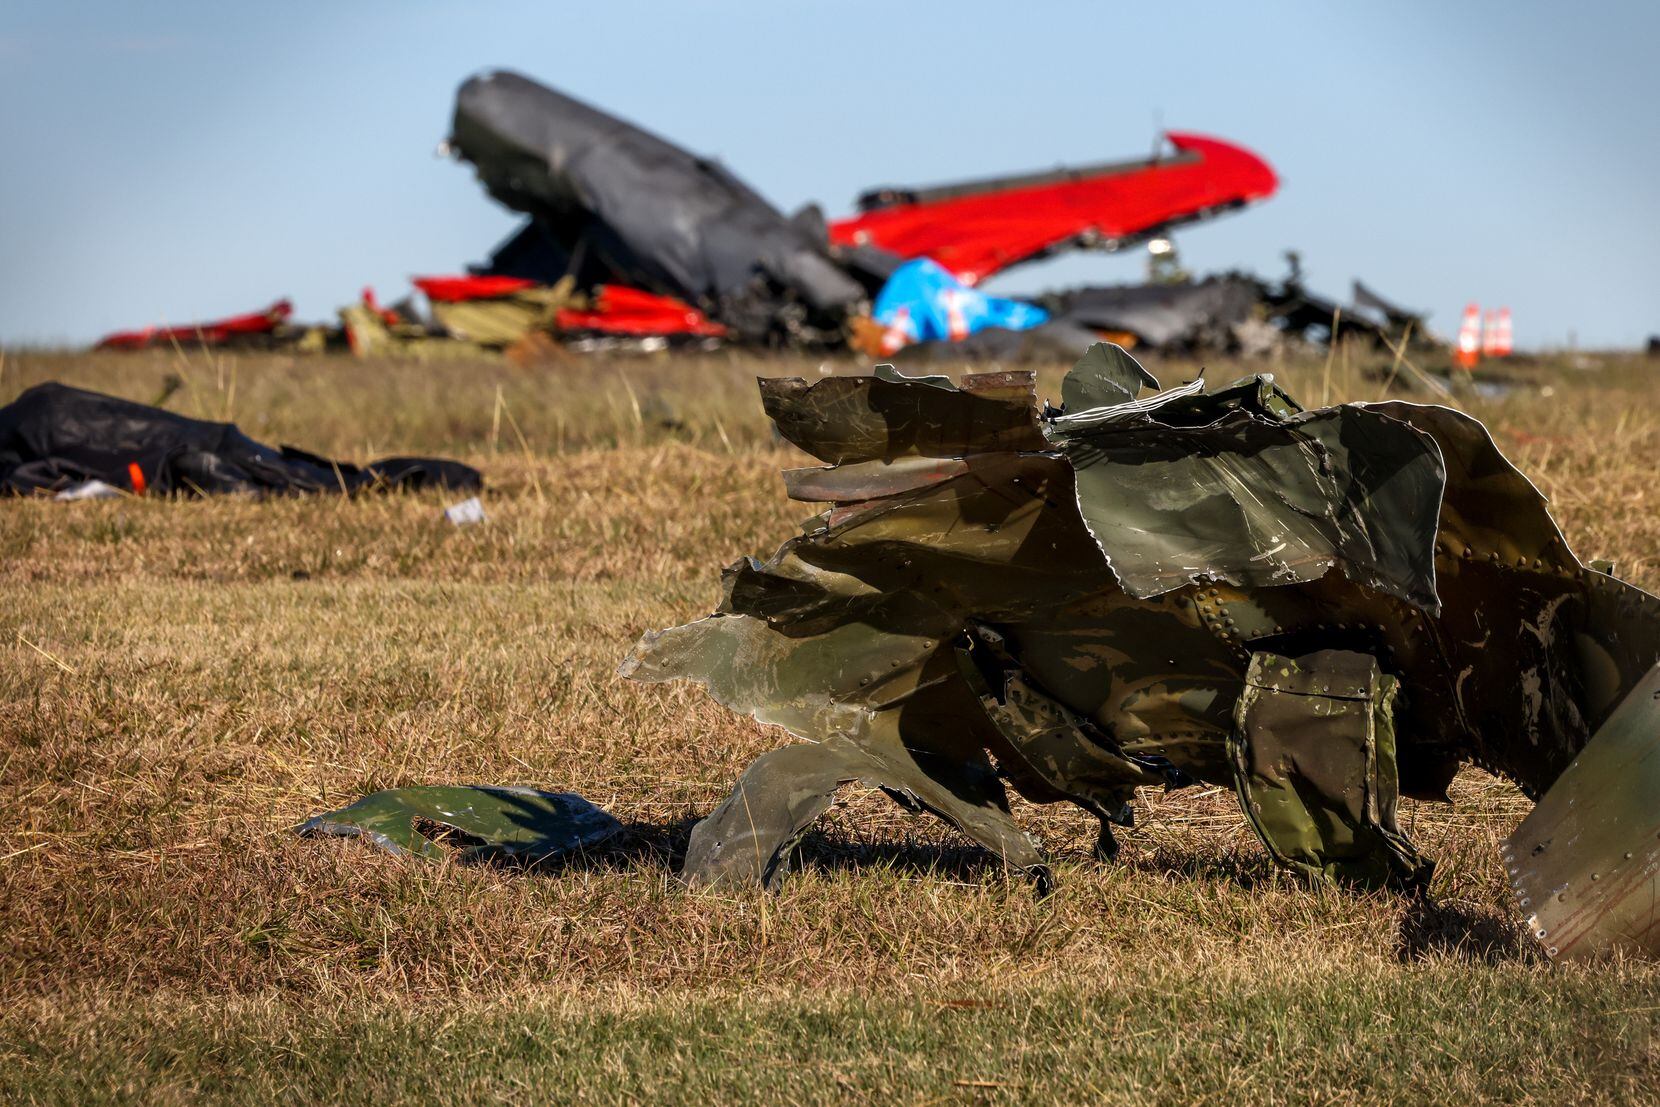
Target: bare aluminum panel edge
(1585, 863)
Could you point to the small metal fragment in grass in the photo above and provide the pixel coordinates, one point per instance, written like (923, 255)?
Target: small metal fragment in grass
(466, 513)
(477, 822)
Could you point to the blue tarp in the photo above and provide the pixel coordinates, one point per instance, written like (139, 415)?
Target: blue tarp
(923, 302)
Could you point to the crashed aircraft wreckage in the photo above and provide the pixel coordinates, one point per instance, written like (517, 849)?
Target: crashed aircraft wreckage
(631, 238)
(978, 228)
(1322, 610)
(255, 329)
(635, 242)
(611, 203)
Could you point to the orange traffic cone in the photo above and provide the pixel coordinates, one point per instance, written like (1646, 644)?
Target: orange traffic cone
(1468, 353)
(1500, 344)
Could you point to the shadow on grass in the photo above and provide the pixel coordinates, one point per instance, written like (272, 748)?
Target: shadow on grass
(1435, 929)
(637, 847)
(833, 853)
(662, 847)
(655, 846)
(1244, 868)
(1429, 929)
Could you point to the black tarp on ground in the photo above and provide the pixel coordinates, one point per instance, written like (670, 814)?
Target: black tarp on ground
(647, 212)
(53, 437)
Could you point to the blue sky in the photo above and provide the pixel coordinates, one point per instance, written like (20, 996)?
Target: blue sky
(170, 162)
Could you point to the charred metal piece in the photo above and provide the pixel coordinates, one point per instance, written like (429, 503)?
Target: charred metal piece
(1324, 610)
(614, 203)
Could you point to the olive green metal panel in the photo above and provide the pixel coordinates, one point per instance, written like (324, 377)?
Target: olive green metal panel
(1105, 375)
(749, 838)
(888, 415)
(1314, 764)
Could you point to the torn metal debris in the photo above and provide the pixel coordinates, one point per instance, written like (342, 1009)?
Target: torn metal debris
(1322, 610)
(1235, 313)
(466, 513)
(469, 822)
(1186, 316)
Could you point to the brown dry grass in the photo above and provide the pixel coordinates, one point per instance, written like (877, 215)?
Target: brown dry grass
(181, 682)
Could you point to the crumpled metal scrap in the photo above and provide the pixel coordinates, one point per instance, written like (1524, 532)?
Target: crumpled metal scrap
(1080, 602)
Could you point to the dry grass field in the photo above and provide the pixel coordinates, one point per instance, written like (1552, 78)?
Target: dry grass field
(181, 682)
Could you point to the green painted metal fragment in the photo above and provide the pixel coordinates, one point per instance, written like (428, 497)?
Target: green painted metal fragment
(750, 837)
(1314, 765)
(1104, 376)
(889, 415)
(1258, 502)
(470, 822)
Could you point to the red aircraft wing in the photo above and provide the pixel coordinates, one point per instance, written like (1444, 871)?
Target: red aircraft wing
(979, 228)
(212, 334)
